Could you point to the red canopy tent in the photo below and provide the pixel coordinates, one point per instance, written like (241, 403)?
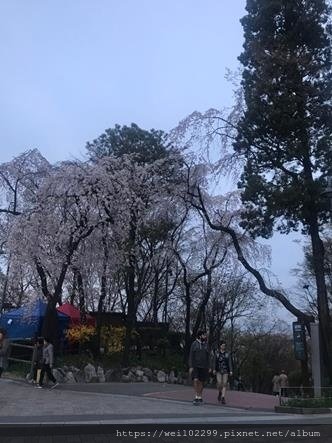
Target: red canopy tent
(75, 315)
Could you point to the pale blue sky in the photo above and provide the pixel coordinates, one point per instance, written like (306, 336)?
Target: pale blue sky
(72, 68)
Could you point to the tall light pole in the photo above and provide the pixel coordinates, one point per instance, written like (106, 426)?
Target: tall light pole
(316, 357)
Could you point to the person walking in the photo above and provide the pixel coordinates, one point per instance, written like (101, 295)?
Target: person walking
(37, 360)
(276, 384)
(4, 349)
(283, 381)
(48, 359)
(222, 370)
(199, 365)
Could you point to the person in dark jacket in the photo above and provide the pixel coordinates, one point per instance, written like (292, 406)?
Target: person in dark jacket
(37, 360)
(48, 359)
(4, 350)
(222, 370)
(199, 364)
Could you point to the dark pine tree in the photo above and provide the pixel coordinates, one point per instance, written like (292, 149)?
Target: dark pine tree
(286, 129)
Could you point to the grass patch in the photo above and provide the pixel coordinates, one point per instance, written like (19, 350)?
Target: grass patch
(321, 402)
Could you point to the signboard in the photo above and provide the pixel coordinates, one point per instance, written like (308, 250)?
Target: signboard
(300, 348)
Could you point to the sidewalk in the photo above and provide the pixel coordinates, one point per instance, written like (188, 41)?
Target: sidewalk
(111, 402)
(135, 403)
(234, 399)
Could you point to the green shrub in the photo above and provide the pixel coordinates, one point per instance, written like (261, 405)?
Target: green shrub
(321, 402)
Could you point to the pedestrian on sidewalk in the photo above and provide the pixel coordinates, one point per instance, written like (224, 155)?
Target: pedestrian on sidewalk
(276, 384)
(199, 365)
(48, 359)
(4, 349)
(223, 370)
(37, 360)
(283, 381)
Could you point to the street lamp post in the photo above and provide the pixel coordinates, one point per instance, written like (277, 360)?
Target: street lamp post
(316, 357)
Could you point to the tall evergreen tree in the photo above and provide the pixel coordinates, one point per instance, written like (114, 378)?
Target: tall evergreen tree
(286, 130)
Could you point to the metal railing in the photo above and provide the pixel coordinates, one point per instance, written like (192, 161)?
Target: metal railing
(20, 346)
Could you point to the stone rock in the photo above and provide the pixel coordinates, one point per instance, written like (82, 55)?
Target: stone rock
(161, 377)
(139, 373)
(154, 378)
(147, 372)
(59, 374)
(70, 378)
(132, 377)
(113, 375)
(145, 379)
(100, 374)
(79, 376)
(172, 378)
(28, 377)
(90, 374)
(125, 378)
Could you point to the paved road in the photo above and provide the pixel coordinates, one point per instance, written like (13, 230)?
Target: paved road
(29, 415)
(126, 403)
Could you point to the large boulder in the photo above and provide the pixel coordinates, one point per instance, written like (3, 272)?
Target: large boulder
(161, 377)
(172, 378)
(125, 378)
(59, 375)
(148, 372)
(139, 373)
(113, 375)
(90, 374)
(132, 376)
(79, 376)
(101, 374)
(70, 378)
(74, 370)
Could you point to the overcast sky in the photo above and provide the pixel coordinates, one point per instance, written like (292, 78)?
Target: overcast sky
(71, 69)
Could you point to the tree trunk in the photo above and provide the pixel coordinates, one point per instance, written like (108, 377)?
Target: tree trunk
(202, 306)
(81, 296)
(4, 289)
(74, 288)
(187, 337)
(50, 326)
(322, 299)
(131, 316)
(130, 292)
(99, 319)
(155, 298)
